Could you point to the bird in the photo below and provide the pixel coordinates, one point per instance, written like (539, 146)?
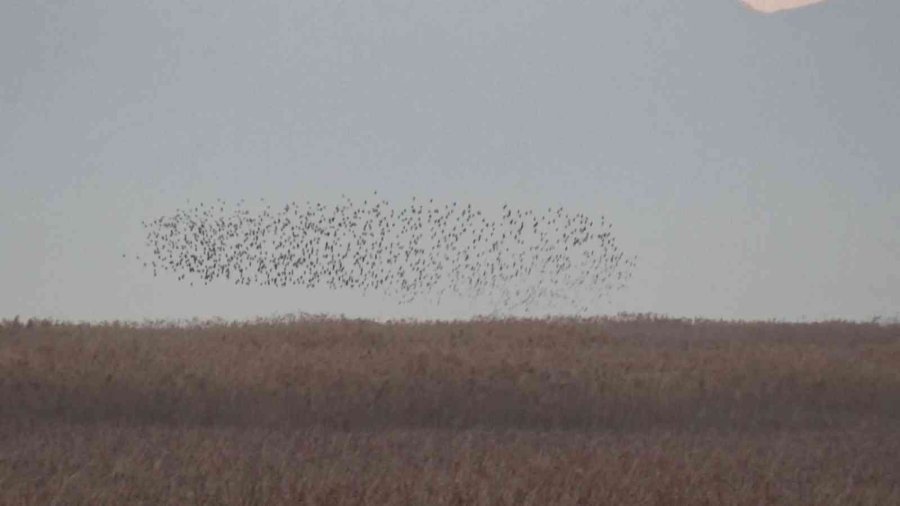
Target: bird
(521, 258)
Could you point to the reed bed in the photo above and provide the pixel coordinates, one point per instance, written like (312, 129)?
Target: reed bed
(635, 409)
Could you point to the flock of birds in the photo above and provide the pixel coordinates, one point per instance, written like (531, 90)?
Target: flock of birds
(517, 258)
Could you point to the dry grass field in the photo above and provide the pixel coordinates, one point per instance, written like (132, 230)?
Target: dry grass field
(614, 411)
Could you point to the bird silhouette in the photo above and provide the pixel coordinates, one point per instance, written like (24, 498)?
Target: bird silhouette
(519, 258)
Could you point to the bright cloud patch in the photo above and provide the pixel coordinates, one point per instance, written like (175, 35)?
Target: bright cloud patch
(769, 6)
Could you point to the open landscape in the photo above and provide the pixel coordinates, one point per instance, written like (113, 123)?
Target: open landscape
(525, 253)
(634, 409)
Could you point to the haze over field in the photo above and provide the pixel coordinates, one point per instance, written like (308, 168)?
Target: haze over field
(748, 162)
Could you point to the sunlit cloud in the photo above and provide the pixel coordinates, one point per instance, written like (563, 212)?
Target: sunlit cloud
(770, 6)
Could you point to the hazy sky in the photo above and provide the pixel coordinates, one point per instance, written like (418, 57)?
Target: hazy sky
(750, 161)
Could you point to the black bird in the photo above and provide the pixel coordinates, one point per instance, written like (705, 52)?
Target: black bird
(406, 252)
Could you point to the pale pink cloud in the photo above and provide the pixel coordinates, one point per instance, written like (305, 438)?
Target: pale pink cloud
(769, 6)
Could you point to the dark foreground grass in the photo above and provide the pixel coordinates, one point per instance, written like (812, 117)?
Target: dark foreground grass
(642, 411)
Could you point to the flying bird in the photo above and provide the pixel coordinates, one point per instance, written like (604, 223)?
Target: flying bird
(517, 259)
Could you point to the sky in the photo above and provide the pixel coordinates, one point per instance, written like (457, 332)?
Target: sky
(750, 161)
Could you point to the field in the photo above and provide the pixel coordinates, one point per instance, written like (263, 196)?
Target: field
(638, 410)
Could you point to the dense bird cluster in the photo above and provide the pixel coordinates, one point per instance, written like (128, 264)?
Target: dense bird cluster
(517, 258)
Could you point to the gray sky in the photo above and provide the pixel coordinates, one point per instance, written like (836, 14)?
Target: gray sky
(750, 161)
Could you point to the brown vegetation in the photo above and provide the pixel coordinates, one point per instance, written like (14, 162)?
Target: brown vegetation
(637, 410)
